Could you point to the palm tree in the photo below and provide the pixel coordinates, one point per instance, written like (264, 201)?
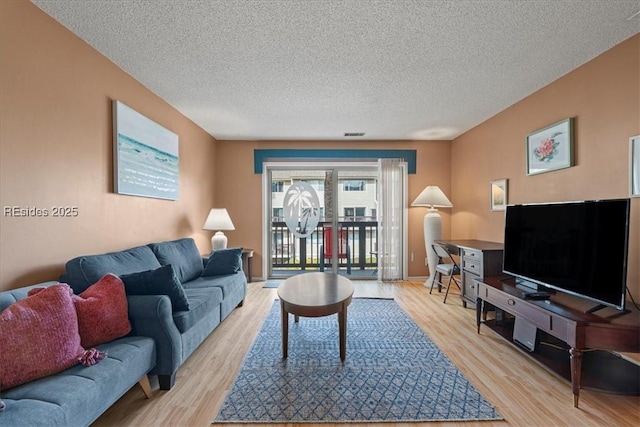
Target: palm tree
(299, 209)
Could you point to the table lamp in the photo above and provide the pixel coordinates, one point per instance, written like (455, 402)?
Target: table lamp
(432, 197)
(219, 220)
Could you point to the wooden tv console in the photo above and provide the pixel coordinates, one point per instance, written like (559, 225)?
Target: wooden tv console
(565, 318)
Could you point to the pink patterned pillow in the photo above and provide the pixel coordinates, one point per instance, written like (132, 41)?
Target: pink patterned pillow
(103, 313)
(38, 336)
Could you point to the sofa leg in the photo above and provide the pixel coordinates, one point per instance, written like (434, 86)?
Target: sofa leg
(167, 381)
(241, 303)
(145, 385)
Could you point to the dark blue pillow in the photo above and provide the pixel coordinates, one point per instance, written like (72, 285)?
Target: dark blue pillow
(161, 281)
(223, 261)
(183, 254)
(84, 271)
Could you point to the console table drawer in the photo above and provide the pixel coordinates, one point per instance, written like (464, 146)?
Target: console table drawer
(519, 308)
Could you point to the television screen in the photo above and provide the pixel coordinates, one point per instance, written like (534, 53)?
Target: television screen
(575, 247)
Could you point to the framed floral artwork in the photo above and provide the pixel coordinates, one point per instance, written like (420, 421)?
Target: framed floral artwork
(550, 148)
(634, 167)
(499, 195)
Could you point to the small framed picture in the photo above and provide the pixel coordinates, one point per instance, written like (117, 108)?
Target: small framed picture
(550, 148)
(498, 195)
(634, 167)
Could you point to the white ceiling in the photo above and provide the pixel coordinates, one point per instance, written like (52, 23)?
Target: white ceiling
(395, 69)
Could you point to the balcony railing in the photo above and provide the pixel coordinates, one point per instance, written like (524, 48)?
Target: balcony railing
(291, 253)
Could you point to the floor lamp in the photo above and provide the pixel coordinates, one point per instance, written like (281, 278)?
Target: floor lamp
(432, 197)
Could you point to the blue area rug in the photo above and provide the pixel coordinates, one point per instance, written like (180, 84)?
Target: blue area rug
(393, 372)
(272, 283)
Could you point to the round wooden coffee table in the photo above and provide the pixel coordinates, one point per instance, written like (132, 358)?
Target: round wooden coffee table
(315, 295)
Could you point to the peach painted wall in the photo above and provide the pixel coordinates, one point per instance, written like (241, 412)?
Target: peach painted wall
(603, 96)
(239, 189)
(56, 150)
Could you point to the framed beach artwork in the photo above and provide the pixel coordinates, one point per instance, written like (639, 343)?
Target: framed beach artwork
(499, 195)
(145, 156)
(634, 167)
(550, 148)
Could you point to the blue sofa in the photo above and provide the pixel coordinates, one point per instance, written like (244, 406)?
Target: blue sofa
(177, 333)
(78, 395)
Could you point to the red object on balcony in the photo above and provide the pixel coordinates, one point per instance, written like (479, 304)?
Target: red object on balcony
(344, 250)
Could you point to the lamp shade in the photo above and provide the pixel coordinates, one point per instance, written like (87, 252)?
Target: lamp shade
(218, 219)
(433, 197)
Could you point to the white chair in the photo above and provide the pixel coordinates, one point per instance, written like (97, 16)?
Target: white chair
(446, 266)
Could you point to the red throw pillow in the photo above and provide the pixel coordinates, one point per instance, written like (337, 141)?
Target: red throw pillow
(38, 336)
(103, 312)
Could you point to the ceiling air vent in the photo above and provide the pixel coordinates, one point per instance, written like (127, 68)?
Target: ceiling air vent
(354, 134)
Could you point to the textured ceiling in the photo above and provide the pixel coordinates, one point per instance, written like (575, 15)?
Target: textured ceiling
(395, 69)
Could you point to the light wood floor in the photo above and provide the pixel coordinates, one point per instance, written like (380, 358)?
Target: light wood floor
(523, 392)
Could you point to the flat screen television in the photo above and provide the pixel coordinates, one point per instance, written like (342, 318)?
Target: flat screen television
(575, 247)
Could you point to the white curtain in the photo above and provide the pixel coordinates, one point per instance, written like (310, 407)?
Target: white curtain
(390, 214)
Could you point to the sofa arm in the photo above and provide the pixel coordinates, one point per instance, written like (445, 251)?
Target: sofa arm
(151, 316)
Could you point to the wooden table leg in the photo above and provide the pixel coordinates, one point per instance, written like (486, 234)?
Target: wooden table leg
(342, 323)
(576, 373)
(247, 258)
(285, 331)
(479, 304)
(249, 268)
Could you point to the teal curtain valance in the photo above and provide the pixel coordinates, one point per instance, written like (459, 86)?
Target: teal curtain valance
(261, 156)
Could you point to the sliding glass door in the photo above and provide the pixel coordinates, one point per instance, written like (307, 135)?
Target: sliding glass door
(321, 219)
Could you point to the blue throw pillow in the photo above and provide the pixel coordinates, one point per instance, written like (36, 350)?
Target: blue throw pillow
(183, 254)
(161, 281)
(223, 261)
(84, 271)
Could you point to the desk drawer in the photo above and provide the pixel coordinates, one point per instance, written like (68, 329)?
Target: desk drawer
(472, 265)
(469, 287)
(519, 308)
(470, 253)
(472, 261)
